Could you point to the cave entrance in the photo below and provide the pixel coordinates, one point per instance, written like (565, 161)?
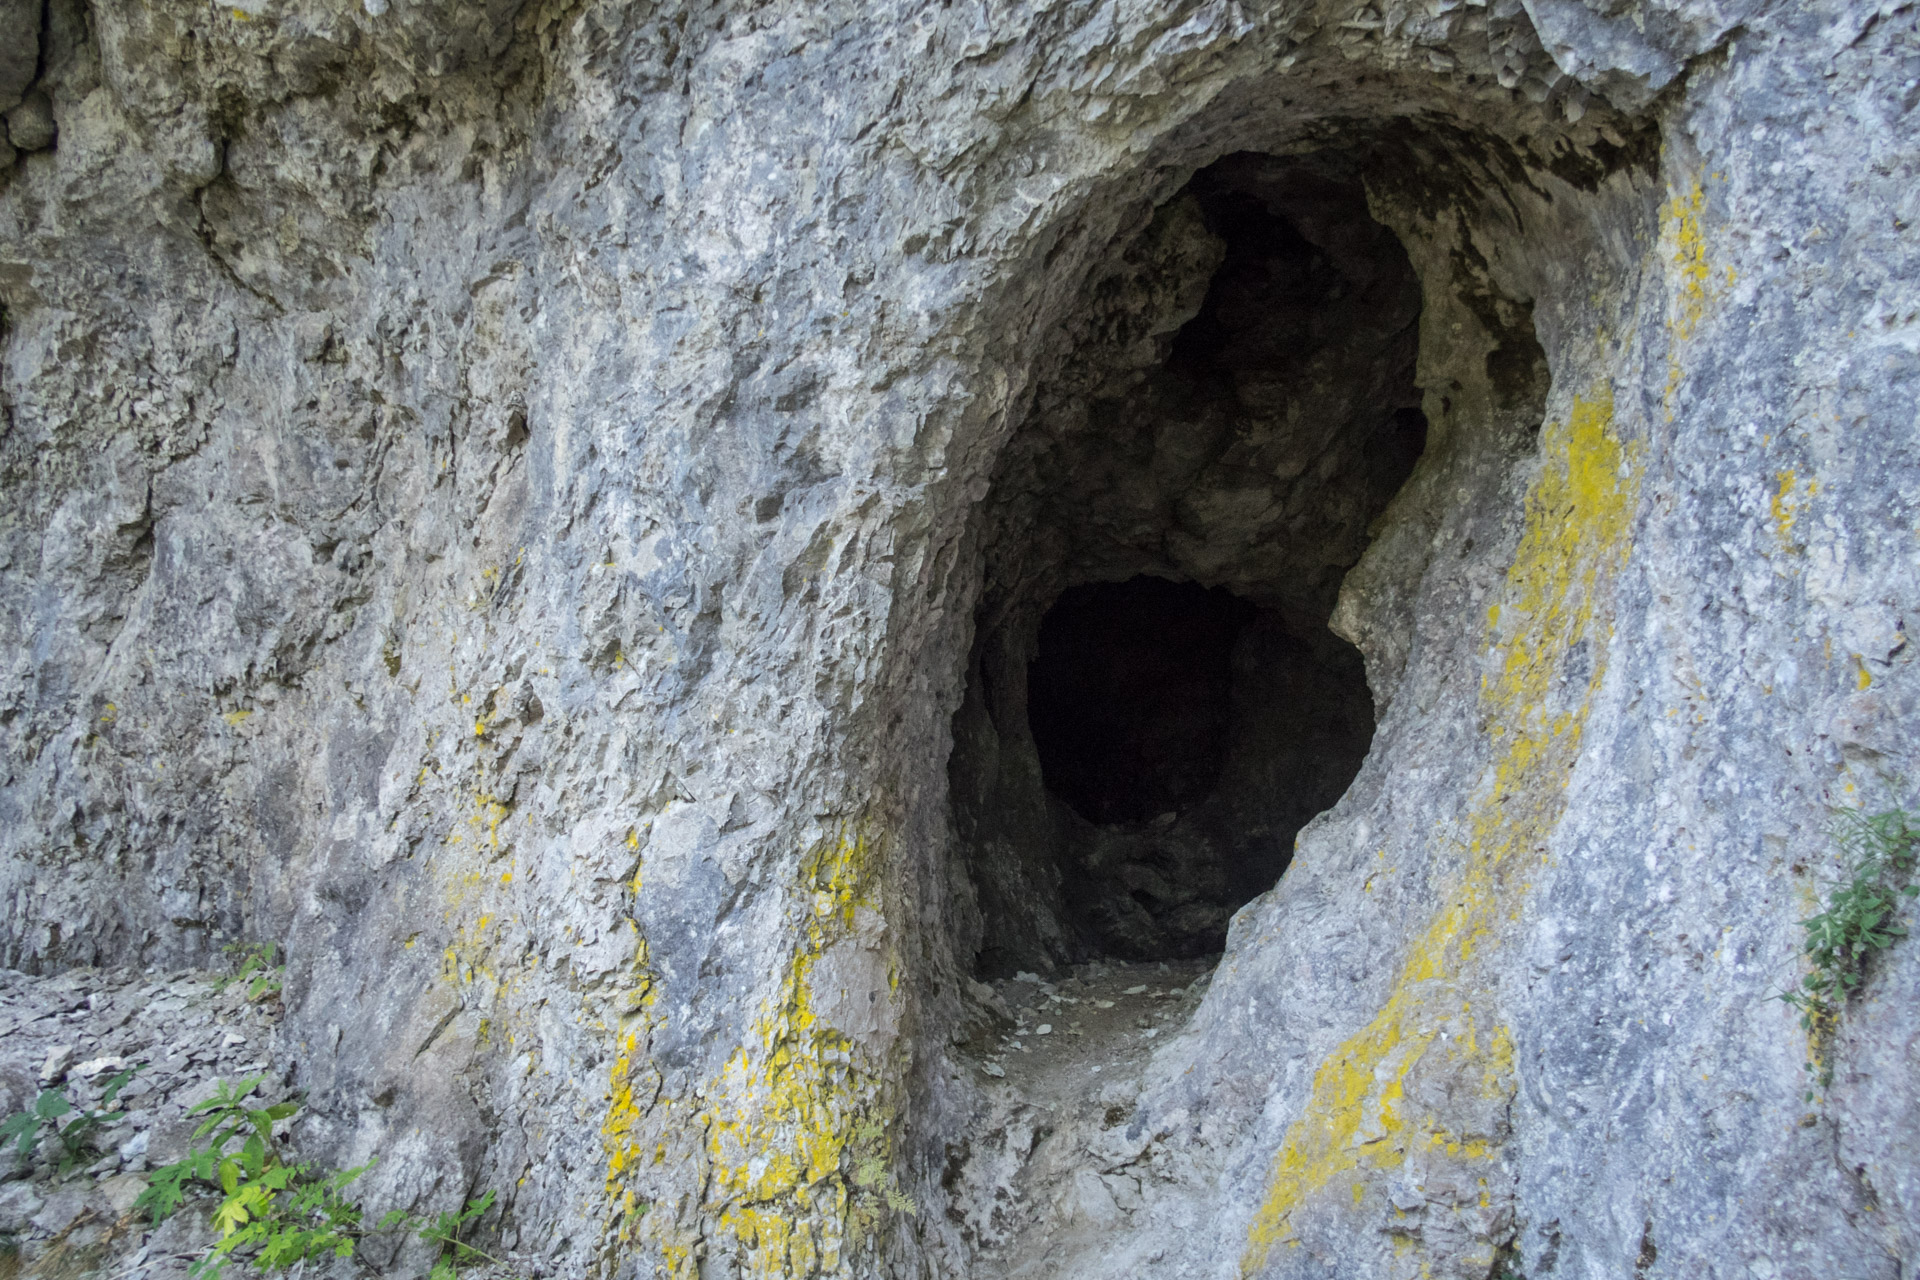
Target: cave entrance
(1155, 704)
(1130, 696)
(1191, 736)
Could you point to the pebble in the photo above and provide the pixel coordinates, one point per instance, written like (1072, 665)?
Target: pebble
(122, 1190)
(59, 1058)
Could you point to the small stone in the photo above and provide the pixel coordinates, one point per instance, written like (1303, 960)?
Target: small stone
(231, 1039)
(1135, 990)
(30, 125)
(19, 1202)
(1103, 1004)
(1044, 1029)
(122, 1190)
(59, 1058)
(997, 1071)
(60, 1210)
(1086, 1200)
(94, 1066)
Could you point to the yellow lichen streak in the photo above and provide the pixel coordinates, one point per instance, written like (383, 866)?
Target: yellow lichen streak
(1789, 500)
(1359, 1115)
(1687, 251)
(1783, 507)
(618, 1130)
(793, 1114)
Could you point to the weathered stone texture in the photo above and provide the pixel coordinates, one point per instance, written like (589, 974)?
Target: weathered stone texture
(500, 499)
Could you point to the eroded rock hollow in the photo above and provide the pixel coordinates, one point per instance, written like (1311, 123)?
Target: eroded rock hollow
(1156, 705)
(1094, 639)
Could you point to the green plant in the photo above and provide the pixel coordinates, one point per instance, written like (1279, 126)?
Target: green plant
(444, 1230)
(1858, 920)
(870, 1170)
(76, 1136)
(277, 1214)
(257, 969)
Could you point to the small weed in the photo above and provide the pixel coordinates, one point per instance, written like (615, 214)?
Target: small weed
(277, 1214)
(76, 1136)
(1857, 921)
(870, 1171)
(257, 969)
(1506, 1265)
(444, 1230)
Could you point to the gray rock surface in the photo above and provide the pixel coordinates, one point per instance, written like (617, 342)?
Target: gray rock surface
(511, 502)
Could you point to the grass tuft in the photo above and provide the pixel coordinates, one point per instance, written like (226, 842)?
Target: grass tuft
(1859, 919)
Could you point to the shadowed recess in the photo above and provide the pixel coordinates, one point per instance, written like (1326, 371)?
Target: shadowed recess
(1130, 697)
(1155, 704)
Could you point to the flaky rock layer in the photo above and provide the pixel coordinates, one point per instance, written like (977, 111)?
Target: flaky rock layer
(515, 503)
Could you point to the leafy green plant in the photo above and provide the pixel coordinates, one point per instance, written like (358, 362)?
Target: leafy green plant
(276, 1214)
(870, 1169)
(1858, 920)
(281, 1214)
(444, 1230)
(256, 968)
(77, 1135)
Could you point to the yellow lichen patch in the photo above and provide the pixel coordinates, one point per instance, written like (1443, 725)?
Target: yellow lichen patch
(616, 1130)
(1686, 250)
(619, 1129)
(795, 1112)
(1786, 504)
(787, 1125)
(1783, 507)
(1358, 1115)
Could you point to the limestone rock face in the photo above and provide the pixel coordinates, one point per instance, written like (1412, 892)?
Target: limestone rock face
(545, 511)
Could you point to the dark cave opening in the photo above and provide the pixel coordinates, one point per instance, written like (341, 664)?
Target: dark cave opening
(1155, 704)
(1129, 696)
(1191, 736)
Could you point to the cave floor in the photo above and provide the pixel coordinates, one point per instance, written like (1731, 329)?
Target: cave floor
(1061, 1073)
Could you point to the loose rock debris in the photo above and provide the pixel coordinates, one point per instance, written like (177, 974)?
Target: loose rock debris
(1061, 1069)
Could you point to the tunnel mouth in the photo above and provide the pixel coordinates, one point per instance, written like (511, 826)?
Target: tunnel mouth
(1184, 735)
(1155, 701)
(1130, 695)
